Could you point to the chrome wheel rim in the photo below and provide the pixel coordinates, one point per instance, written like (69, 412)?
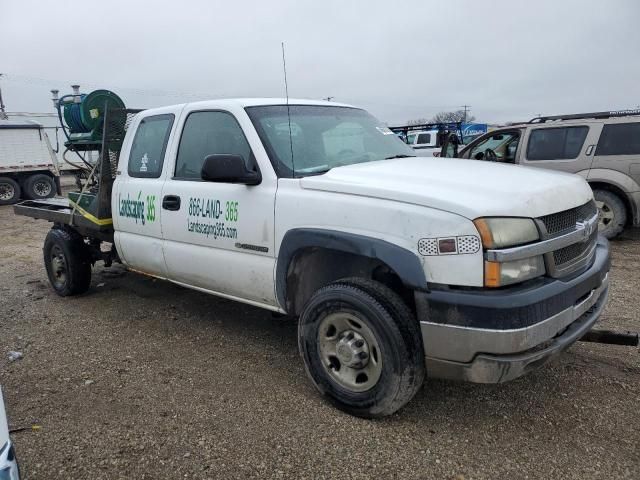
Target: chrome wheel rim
(7, 192)
(605, 215)
(42, 189)
(58, 266)
(349, 351)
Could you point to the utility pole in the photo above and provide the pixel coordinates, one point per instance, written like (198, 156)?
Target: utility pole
(3, 114)
(466, 109)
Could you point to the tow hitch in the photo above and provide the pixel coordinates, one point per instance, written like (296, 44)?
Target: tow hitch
(611, 337)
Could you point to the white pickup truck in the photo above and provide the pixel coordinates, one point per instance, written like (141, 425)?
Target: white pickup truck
(397, 267)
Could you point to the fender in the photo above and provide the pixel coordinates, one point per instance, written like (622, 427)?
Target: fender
(405, 263)
(618, 179)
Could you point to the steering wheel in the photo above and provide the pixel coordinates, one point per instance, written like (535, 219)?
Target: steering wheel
(490, 155)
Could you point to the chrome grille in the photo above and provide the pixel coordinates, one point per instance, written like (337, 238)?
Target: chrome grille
(563, 222)
(571, 258)
(572, 252)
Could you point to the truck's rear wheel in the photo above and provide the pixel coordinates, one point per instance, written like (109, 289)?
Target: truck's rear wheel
(68, 262)
(39, 186)
(612, 213)
(9, 191)
(362, 347)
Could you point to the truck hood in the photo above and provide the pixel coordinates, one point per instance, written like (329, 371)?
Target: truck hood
(470, 188)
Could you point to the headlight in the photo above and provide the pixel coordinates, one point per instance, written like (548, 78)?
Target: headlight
(509, 232)
(498, 274)
(506, 232)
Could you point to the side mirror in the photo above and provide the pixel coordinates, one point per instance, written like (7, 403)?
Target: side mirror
(228, 168)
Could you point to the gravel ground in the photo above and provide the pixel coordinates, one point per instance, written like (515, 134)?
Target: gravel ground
(142, 379)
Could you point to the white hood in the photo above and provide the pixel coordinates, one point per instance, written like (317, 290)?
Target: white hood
(470, 188)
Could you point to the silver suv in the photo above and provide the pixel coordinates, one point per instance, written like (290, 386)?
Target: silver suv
(602, 147)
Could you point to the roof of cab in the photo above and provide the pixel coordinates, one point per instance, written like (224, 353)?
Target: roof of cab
(248, 102)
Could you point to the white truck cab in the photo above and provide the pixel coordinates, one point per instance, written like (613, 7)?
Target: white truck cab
(398, 267)
(424, 142)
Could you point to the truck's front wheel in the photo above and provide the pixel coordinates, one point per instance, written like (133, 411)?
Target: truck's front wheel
(362, 347)
(68, 262)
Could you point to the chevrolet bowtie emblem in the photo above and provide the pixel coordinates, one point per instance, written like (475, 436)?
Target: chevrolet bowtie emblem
(587, 229)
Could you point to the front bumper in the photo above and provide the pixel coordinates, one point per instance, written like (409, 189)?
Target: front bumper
(496, 336)
(8, 464)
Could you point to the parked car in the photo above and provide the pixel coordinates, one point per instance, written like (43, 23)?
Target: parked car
(602, 147)
(28, 164)
(8, 463)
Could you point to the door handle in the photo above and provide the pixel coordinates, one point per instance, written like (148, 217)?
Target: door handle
(589, 150)
(171, 202)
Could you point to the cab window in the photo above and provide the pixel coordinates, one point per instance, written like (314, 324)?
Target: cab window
(424, 138)
(209, 133)
(149, 146)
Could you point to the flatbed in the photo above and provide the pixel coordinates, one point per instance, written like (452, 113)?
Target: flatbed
(61, 211)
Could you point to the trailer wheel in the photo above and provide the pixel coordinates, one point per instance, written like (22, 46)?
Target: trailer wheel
(39, 186)
(9, 191)
(362, 347)
(68, 262)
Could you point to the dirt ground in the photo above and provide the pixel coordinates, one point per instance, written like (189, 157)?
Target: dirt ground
(142, 379)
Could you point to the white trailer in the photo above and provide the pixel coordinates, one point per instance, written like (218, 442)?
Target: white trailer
(28, 165)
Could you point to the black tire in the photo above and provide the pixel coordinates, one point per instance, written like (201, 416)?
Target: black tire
(9, 191)
(39, 186)
(67, 261)
(396, 332)
(612, 213)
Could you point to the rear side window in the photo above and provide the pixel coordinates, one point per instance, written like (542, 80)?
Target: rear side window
(556, 143)
(619, 139)
(209, 133)
(149, 146)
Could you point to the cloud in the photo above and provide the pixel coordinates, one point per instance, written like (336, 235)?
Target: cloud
(509, 60)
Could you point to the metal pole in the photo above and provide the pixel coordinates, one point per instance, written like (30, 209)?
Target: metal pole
(3, 115)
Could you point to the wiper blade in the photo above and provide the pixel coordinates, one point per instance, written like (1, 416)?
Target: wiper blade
(402, 155)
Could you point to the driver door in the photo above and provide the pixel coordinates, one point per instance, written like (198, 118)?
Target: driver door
(504, 144)
(218, 236)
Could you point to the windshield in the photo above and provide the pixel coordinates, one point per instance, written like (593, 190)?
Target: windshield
(322, 138)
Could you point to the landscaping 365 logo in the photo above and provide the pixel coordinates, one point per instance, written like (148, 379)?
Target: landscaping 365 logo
(136, 208)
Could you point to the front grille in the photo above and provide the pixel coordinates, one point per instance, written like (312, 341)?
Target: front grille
(572, 252)
(562, 222)
(571, 258)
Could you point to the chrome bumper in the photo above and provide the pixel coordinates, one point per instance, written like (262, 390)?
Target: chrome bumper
(465, 342)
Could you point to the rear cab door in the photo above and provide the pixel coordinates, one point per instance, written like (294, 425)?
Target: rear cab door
(136, 195)
(568, 147)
